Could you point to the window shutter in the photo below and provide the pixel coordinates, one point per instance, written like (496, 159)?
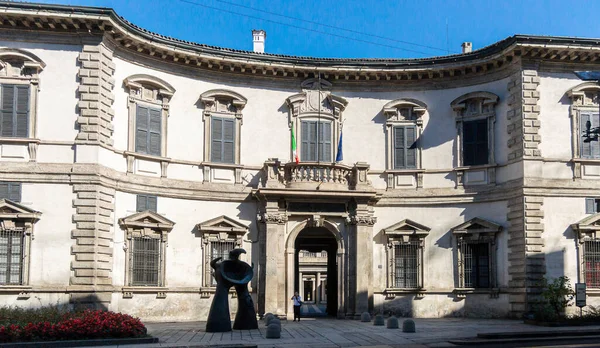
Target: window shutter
(411, 147)
(481, 147)
(141, 202)
(399, 148)
(586, 141)
(305, 136)
(8, 99)
(152, 203)
(590, 206)
(595, 143)
(154, 132)
(228, 141)
(325, 141)
(22, 111)
(216, 146)
(4, 190)
(14, 191)
(141, 129)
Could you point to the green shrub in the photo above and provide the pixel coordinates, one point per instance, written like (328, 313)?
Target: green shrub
(556, 295)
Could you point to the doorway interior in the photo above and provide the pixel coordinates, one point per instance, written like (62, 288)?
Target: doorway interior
(315, 271)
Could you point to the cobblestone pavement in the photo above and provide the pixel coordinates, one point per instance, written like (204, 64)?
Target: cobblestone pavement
(326, 332)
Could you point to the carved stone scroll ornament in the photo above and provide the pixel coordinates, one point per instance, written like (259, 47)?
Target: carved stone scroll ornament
(361, 220)
(273, 218)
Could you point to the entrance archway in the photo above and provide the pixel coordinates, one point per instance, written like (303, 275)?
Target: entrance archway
(321, 285)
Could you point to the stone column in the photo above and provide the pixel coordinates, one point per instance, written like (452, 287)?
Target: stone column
(361, 261)
(274, 261)
(318, 289)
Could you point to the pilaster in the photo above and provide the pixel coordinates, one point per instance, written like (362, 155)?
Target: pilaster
(95, 94)
(360, 262)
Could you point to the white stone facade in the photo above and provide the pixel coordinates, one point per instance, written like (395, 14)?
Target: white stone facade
(82, 172)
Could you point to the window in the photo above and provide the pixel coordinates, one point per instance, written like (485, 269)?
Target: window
(16, 230)
(222, 140)
(592, 205)
(476, 242)
(219, 236)
(316, 141)
(146, 202)
(405, 147)
(11, 256)
(315, 116)
(148, 131)
(591, 263)
(145, 260)
(476, 259)
(475, 118)
(10, 191)
(19, 85)
(588, 138)
(222, 125)
(405, 243)
(475, 142)
(14, 100)
(146, 235)
(148, 105)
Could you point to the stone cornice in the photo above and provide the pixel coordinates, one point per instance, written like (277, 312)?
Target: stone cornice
(104, 22)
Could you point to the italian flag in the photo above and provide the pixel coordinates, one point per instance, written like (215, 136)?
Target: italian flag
(294, 152)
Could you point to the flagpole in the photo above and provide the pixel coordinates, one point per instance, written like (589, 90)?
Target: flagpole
(319, 116)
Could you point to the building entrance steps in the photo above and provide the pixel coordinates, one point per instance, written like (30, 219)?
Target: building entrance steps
(330, 332)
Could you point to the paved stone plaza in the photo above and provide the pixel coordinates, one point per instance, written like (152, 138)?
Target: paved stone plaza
(325, 333)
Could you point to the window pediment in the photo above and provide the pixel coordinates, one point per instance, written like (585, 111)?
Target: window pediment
(316, 99)
(223, 101)
(475, 103)
(476, 228)
(588, 227)
(585, 94)
(19, 63)
(407, 228)
(402, 110)
(149, 88)
(16, 211)
(147, 219)
(222, 224)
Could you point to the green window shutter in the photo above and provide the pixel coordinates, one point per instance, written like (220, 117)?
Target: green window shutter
(152, 203)
(325, 141)
(141, 129)
(590, 206)
(8, 103)
(411, 147)
(154, 132)
(228, 141)
(146, 202)
(305, 136)
(399, 148)
(313, 128)
(4, 190)
(22, 111)
(216, 146)
(585, 138)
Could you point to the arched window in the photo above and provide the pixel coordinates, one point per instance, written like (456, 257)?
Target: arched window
(148, 105)
(19, 86)
(222, 125)
(475, 118)
(315, 115)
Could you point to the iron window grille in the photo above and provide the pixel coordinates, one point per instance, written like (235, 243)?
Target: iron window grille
(591, 263)
(145, 261)
(12, 245)
(476, 264)
(406, 265)
(219, 249)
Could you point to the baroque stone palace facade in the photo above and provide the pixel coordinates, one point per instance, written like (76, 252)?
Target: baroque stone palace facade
(129, 160)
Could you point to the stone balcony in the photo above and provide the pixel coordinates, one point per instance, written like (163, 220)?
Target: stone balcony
(315, 176)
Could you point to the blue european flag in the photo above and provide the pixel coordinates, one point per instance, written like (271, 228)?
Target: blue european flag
(340, 153)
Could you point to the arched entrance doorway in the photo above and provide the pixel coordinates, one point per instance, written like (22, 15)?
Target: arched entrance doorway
(316, 237)
(315, 271)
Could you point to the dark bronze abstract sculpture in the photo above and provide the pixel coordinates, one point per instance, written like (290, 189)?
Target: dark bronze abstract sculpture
(228, 273)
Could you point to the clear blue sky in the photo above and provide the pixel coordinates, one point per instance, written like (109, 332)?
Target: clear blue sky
(421, 22)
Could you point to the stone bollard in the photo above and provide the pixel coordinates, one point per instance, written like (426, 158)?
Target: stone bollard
(275, 321)
(267, 317)
(408, 326)
(392, 323)
(365, 317)
(273, 331)
(379, 320)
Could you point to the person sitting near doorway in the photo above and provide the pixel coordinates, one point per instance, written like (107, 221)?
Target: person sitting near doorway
(297, 303)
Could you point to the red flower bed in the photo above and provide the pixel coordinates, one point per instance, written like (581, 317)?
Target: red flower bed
(76, 326)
